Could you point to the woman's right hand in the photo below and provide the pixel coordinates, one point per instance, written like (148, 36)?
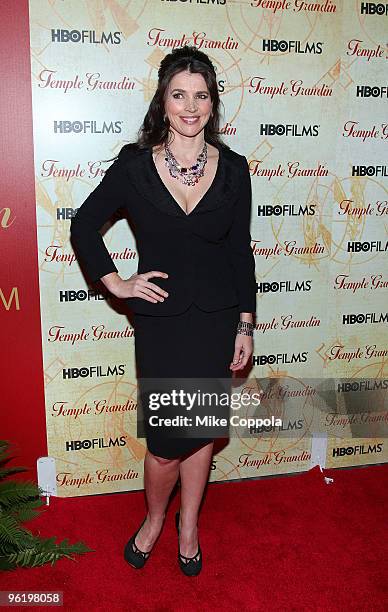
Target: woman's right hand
(138, 285)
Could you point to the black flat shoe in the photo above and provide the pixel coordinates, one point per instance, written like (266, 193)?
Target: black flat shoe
(190, 566)
(132, 554)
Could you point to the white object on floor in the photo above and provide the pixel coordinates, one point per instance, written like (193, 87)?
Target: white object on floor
(47, 477)
(318, 450)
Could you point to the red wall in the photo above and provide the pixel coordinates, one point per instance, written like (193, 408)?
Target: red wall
(22, 398)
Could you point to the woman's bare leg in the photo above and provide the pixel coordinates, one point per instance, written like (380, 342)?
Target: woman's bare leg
(160, 476)
(194, 473)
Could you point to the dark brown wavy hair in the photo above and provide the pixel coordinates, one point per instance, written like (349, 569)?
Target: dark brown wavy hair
(154, 129)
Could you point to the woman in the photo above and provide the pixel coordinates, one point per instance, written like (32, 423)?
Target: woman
(194, 295)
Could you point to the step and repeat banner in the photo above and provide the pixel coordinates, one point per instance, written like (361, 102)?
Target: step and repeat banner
(304, 97)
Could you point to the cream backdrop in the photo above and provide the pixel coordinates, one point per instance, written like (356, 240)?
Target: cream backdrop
(94, 71)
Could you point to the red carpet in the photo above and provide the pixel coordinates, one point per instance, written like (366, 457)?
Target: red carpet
(278, 543)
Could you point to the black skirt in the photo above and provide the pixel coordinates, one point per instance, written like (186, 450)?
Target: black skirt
(195, 345)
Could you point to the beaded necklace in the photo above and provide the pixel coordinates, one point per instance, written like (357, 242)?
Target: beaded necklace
(187, 176)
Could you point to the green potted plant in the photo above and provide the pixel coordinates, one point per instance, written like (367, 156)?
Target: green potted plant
(20, 502)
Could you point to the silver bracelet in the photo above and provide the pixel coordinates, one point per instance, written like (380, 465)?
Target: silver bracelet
(246, 328)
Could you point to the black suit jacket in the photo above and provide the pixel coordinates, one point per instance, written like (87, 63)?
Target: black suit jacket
(206, 253)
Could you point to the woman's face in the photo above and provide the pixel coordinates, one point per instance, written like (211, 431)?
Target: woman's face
(188, 104)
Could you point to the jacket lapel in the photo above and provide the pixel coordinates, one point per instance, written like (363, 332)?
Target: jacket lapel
(146, 181)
